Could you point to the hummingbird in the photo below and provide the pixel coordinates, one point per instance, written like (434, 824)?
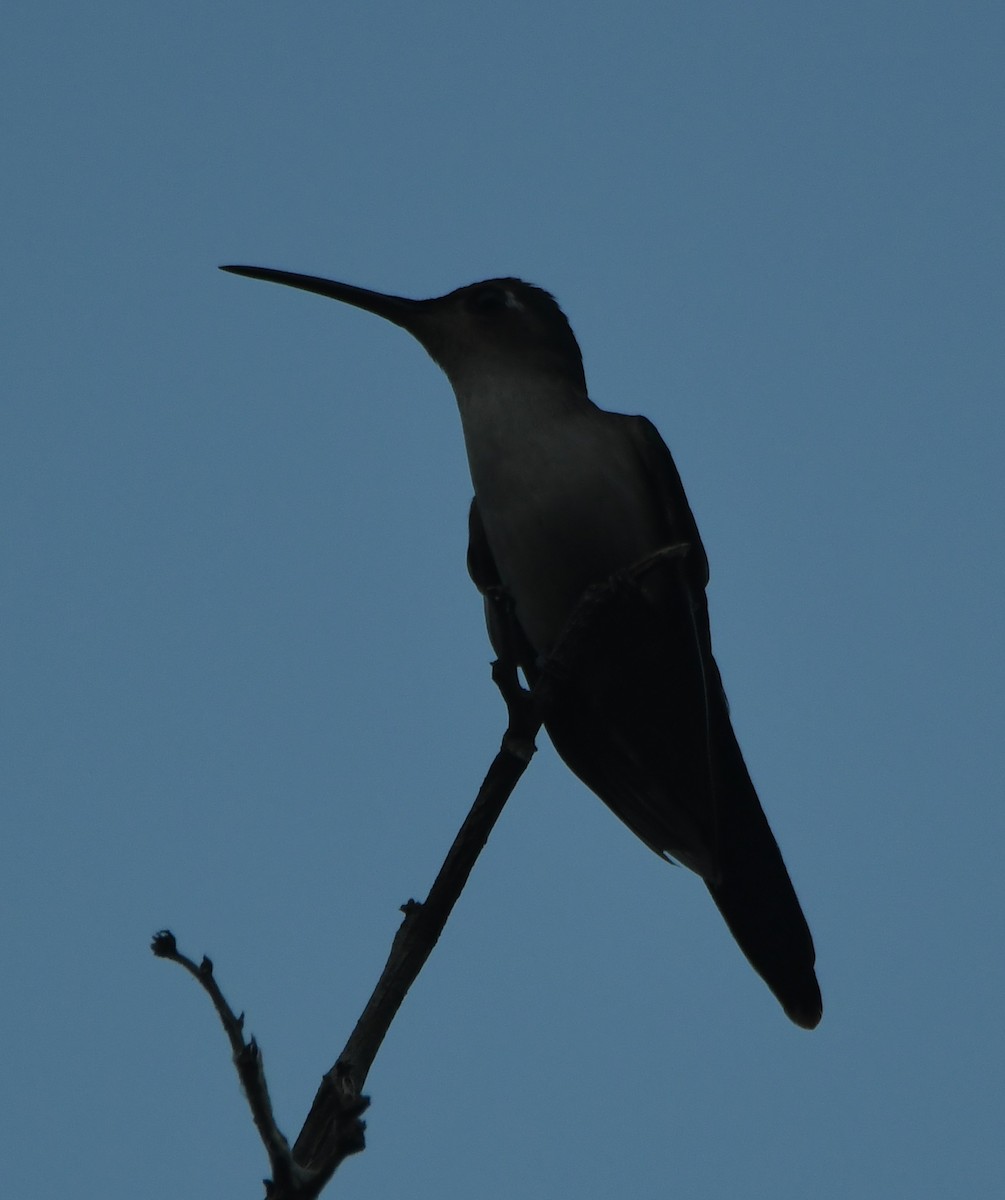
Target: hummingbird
(569, 496)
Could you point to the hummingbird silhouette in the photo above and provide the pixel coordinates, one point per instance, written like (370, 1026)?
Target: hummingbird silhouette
(567, 497)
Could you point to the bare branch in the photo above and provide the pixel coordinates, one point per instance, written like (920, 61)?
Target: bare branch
(333, 1129)
(423, 924)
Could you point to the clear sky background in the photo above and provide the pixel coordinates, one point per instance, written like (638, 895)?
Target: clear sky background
(245, 679)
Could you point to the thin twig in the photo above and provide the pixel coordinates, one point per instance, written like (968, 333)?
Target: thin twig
(423, 924)
(287, 1177)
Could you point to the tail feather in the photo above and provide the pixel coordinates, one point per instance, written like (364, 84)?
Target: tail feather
(754, 892)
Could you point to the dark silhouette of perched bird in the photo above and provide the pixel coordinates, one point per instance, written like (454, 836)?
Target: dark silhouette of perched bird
(567, 497)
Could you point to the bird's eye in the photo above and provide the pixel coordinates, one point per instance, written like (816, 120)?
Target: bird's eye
(488, 299)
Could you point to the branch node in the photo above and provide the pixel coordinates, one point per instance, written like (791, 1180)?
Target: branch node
(520, 746)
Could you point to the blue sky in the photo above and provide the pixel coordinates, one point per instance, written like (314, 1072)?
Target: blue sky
(246, 680)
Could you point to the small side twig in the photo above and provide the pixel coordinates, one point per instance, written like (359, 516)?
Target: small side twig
(287, 1177)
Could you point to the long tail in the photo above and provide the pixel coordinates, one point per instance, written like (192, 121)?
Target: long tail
(754, 892)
